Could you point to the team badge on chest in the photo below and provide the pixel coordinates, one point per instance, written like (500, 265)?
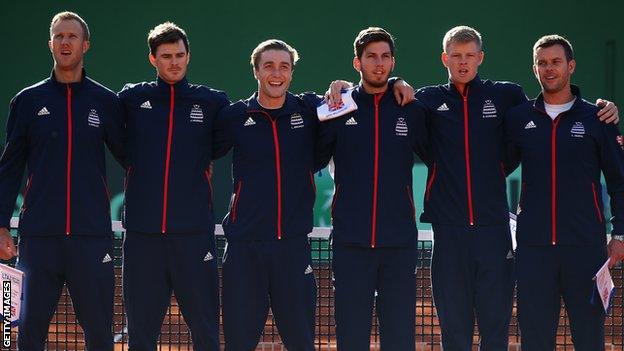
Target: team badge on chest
(489, 110)
(197, 115)
(578, 130)
(296, 121)
(93, 118)
(401, 127)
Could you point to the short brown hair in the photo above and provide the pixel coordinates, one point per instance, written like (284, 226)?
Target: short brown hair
(273, 44)
(552, 40)
(166, 33)
(462, 34)
(68, 16)
(371, 35)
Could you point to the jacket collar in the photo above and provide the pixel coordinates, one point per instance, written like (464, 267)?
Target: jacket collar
(473, 85)
(75, 85)
(290, 105)
(362, 95)
(539, 101)
(178, 86)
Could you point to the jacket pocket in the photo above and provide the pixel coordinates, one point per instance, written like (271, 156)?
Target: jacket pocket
(334, 199)
(410, 199)
(312, 183)
(28, 185)
(430, 182)
(236, 197)
(209, 180)
(598, 211)
(106, 194)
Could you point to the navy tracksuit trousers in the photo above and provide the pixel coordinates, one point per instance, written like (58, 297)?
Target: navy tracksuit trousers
(80, 262)
(155, 265)
(262, 274)
(383, 278)
(545, 275)
(471, 276)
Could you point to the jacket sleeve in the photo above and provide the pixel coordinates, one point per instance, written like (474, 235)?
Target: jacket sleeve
(222, 139)
(12, 161)
(612, 166)
(326, 141)
(512, 151)
(114, 131)
(419, 133)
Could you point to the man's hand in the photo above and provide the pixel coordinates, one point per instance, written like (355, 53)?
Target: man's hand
(403, 92)
(333, 94)
(7, 247)
(608, 112)
(616, 252)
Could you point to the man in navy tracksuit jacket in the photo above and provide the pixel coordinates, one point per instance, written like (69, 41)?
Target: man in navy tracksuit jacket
(561, 225)
(466, 200)
(169, 243)
(57, 129)
(374, 233)
(267, 261)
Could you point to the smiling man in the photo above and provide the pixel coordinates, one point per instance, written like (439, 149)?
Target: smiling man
(57, 129)
(267, 262)
(169, 244)
(561, 230)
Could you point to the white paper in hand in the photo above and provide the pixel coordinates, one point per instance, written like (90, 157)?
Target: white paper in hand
(348, 105)
(11, 291)
(605, 285)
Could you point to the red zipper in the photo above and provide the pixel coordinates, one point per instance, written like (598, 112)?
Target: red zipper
(28, 184)
(467, 158)
(334, 198)
(375, 172)
(163, 227)
(69, 162)
(411, 201)
(235, 203)
(596, 202)
(207, 174)
(430, 182)
(553, 179)
(278, 168)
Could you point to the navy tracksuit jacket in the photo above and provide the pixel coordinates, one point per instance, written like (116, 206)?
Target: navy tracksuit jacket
(466, 202)
(168, 209)
(267, 260)
(561, 230)
(374, 232)
(57, 131)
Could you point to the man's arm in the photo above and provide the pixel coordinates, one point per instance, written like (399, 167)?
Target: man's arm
(419, 133)
(222, 140)
(114, 132)
(612, 165)
(12, 164)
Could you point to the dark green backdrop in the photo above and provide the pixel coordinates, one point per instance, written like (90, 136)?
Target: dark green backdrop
(222, 35)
